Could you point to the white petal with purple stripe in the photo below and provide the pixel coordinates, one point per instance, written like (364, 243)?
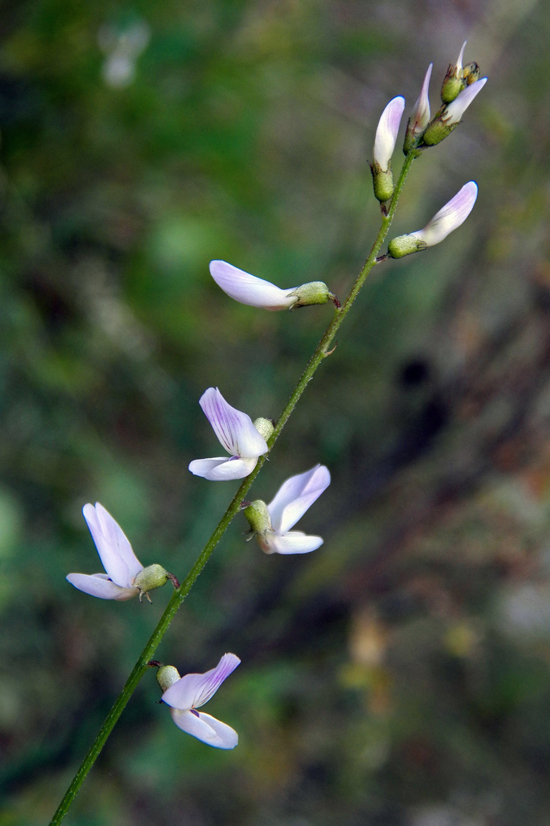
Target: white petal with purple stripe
(194, 690)
(236, 432)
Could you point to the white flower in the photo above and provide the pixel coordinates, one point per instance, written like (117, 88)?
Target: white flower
(386, 132)
(115, 553)
(450, 217)
(236, 432)
(272, 523)
(452, 114)
(256, 292)
(191, 692)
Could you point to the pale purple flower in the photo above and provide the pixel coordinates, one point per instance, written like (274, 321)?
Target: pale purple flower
(250, 290)
(386, 132)
(116, 554)
(194, 690)
(450, 217)
(452, 114)
(293, 499)
(236, 432)
(420, 115)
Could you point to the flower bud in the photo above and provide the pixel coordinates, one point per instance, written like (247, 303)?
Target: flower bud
(154, 576)
(258, 517)
(314, 292)
(420, 115)
(453, 82)
(384, 145)
(167, 675)
(450, 116)
(265, 427)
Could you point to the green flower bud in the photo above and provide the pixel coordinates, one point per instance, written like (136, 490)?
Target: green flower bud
(150, 578)
(314, 292)
(167, 675)
(265, 427)
(258, 517)
(405, 245)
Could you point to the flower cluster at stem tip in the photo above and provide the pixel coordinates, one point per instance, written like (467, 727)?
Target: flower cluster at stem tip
(460, 86)
(245, 440)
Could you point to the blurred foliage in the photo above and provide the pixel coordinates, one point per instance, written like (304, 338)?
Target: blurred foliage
(401, 674)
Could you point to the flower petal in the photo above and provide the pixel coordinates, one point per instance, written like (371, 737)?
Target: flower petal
(99, 585)
(420, 115)
(450, 217)
(293, 542)
(295, 496)
(234, 429)
(112, 545)
(206, 728)
(248, 289)
(386, 132)
(461, 56)
(222, 469)
(454, 111)
(194, 690)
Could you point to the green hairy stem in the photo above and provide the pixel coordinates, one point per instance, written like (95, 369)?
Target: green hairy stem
(141, 666)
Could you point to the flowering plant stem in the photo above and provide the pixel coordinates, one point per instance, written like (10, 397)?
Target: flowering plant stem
(321, 352)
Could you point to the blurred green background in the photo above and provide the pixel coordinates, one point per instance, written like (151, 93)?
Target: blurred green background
(400, 675)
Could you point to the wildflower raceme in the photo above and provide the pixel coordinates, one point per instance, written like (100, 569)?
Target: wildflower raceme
(245, 440)
(271, 524)
(186, 694)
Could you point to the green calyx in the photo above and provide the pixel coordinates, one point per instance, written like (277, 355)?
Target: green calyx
(167, 675)
(150, 578)
(265, 427)
(452, 85)
(258, 517)
(382, 181)
(314, 292)
(437, 131)
(405, 245)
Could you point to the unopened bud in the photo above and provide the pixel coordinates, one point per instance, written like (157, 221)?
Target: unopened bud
(405, 245)
(154, 576)
(450, 116)
(420, 116)
(453, 83)
(258, 516)
(265, 427)
(167, 675)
